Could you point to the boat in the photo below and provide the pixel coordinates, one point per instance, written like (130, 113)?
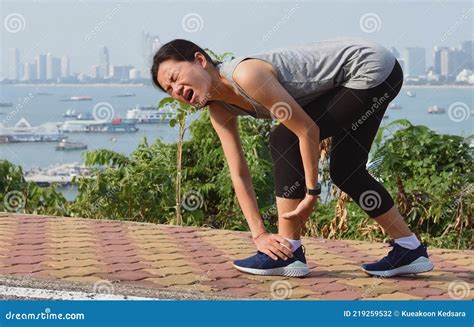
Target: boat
(116, 125)
(70, 113)
(6, 104)
(124, 95)
(411, 94)
(394, 106)
(65, 145)
(24, 132)
(149, 115)
(435, 110)
(62, 174)
(78, 98)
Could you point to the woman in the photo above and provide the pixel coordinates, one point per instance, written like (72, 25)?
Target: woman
(337, 88)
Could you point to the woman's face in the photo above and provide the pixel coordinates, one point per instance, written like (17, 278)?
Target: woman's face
(185, 81)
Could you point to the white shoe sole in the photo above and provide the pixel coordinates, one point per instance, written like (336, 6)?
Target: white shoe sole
(295, 269)
(420, 265)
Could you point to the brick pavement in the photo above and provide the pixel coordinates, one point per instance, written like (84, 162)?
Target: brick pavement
(105, 252)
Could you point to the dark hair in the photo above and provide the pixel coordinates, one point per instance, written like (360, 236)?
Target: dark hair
(179, 50)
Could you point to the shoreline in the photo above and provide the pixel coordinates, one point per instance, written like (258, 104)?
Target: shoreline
(142, 84)
(79, 84)
(439, 86)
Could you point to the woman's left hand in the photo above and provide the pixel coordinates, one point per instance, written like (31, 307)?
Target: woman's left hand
(303, 210)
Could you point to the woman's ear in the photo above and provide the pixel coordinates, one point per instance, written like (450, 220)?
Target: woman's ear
(201, 59)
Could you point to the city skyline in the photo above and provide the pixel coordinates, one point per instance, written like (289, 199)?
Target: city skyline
(252, 27)
(447, 62)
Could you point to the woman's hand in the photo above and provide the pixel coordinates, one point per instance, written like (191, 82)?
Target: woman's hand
(274, 246)
(303, 210)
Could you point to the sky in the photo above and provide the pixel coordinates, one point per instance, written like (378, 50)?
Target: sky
(78, 28)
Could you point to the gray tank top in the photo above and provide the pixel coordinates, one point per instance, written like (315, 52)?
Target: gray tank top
(309, 70)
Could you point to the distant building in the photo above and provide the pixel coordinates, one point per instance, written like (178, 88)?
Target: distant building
(65, 69)
(121, 72)
(40, 61)
(468, 48)
(415, 62)
(29, 72)
(95, 72)
(53, 67)
(14, 68)
(134, 74)
(150, 44)
(104, 62)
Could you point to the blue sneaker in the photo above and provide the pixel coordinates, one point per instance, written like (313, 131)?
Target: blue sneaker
(400, 261)
(262, 264)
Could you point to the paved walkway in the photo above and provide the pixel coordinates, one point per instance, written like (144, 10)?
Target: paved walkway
(107, 255)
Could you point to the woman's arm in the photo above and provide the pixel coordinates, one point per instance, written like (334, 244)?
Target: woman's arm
(226, 127)
(259, 82)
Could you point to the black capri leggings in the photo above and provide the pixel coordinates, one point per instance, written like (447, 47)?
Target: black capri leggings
(351, 117)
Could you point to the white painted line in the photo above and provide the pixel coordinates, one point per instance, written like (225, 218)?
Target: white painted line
(25, 292)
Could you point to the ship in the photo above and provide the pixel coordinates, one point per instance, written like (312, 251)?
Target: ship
(124, 95)
(149, 115)
(411, 94)
(70, 113)
(435, 110)
(116, 125)
(65, 145)
(394, 106)
(78, 98)
(24, 132)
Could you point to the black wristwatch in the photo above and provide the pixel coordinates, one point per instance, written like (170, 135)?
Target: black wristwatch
(314, 191)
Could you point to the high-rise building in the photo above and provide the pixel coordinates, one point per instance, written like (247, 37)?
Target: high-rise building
(468, 48)
(150, 44)
(65, 73)
(53, 67)
(104, 62)
(40, 61)
(121, 72)
(415, 63)
(28, 73)
(452, 62)
(14, 69)
(95, 71)
(437, 59)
